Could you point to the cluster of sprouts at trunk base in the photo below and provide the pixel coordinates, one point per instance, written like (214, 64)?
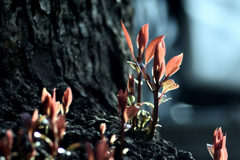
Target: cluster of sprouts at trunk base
(51, 126)
(161, 73)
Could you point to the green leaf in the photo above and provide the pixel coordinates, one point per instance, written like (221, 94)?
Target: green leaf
(125, 150)
(158, 125)
(136, 81)
(130, 100)
(73, 146)
(148, 104)
(163, 98)
(169, 85)
(134, 66)
(43, 137)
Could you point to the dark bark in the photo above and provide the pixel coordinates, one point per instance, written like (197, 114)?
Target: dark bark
(58, 43)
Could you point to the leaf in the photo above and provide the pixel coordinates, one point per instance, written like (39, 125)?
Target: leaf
(129, 41)
(35, 116)
(159, 54)
(173, 65)
(113, 139)
(134, 66)
(210, 149)
(73, 146)
(61, 126)
(131, 84)
(130, 99)
(43, 119)
(9, 136)
(158, 125)
(148, 104)
(130, 112)
(125, 150)
(142, 38)
(162, 98)
(102, 151)
(44, 94)
(43, 137)
(102, 128)
(122, 100)
(54, 110)
(46, 101)
(149, 53)
(158, 72)
(67, 100)
(169, 85)
(136, 81)
(89, 151)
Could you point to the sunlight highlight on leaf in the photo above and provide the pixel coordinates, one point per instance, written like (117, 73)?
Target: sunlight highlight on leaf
(169, 85)
(129, 41)
(173, 65)
(142, 38)
(149, 53)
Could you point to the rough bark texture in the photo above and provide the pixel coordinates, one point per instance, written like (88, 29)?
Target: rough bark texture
(75, 43)
(60, 43)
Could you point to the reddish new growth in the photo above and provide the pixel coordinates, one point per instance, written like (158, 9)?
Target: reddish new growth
(6, 144)
(155, 49)
(51, 121)
(218, 150)
(102, 150)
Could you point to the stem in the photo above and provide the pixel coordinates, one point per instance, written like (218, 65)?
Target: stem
(134, 122)
(155, 113)
(139, 88)
(122, 139)
(138, 98)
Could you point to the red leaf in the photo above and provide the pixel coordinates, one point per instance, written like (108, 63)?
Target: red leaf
(67, 100)
(173, 65)
(219, 145)
(34, 116)
(149, 53)
(9, 137)
(129, 112)
(159, 53)
(102, 151)
(142, 38)
(129, 41)
(44, 95)
(54, 95)
(102, 129)
(159, 62)
(162, 70)
(54, 110)
(122, 99)
(61, 127)
(89, 151)
(131, 84)
(46, 101)
(6, 143)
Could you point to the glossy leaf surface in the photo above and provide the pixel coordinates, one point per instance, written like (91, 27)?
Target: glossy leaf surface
(173, 65)
(149, 53)
(129, 41)
(142, 38)
(169, 85)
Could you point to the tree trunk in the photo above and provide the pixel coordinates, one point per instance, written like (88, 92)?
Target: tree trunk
(59, 43)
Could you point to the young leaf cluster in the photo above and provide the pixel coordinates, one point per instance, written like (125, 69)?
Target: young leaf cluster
(161, 74)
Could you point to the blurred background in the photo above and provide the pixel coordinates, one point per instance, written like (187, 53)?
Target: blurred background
(208, 34)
